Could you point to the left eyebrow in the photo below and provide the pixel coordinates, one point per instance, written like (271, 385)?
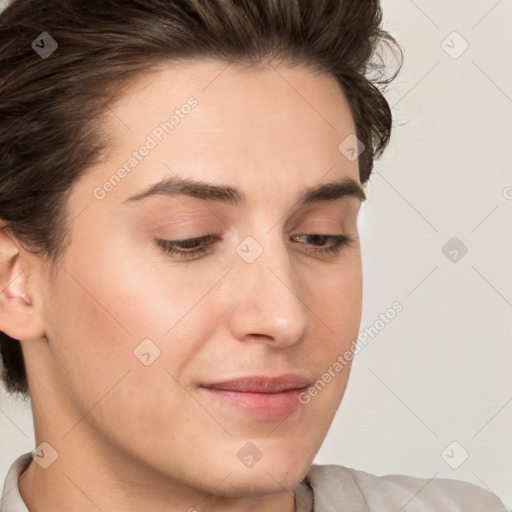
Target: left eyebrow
(175, 186)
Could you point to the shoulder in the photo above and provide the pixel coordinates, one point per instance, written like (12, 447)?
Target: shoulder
(337, 486)
(11, 500)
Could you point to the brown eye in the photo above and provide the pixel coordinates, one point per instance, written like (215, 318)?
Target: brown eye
(194, 248)
(189, 248)
(337, 242)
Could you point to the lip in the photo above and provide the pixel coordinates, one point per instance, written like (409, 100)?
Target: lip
(261, 384)
(263, 397)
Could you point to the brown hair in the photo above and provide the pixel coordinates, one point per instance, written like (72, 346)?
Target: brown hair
(51, 108)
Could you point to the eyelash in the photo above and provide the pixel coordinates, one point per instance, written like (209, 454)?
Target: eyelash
(172, 246)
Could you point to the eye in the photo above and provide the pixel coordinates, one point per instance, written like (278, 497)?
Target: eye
(189, 248)
(193, 248)
(338, 242)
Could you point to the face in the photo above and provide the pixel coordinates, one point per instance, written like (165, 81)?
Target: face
(185, 325)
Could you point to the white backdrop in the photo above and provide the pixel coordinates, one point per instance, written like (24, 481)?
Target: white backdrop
(430, 394)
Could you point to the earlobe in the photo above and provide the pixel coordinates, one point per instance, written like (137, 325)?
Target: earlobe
(20, 315)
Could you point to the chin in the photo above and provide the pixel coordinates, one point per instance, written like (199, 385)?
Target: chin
(260, 482)
(276, 471)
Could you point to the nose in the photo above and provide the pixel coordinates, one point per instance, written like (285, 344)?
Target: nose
(268, 302)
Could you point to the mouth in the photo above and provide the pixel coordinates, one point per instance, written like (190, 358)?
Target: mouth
(266, 398)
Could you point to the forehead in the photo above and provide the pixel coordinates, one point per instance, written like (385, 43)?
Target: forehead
(247, 125)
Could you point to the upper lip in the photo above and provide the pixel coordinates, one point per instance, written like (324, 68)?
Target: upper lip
(261, 384)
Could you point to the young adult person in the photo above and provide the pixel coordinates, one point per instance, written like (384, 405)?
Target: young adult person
(180, 182)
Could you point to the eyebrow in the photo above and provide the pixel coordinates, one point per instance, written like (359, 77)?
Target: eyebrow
(176, 186)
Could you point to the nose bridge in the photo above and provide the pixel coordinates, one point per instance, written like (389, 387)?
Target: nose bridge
(267, 300)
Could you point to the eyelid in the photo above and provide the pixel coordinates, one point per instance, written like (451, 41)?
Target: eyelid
(172, 246)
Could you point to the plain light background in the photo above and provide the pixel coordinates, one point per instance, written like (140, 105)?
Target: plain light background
(433, 386)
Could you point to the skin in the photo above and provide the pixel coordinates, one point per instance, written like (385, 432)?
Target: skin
(132, 437)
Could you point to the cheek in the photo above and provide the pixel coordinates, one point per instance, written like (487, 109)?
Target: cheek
(103, 308)
(337, 306)
(89, 339)
(98, 319)
(337, 295)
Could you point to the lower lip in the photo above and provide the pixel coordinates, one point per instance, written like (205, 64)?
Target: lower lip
(266, 406)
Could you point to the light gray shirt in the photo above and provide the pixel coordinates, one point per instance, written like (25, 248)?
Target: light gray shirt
(333, 488)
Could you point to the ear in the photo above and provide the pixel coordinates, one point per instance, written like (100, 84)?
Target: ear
(20, 311)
